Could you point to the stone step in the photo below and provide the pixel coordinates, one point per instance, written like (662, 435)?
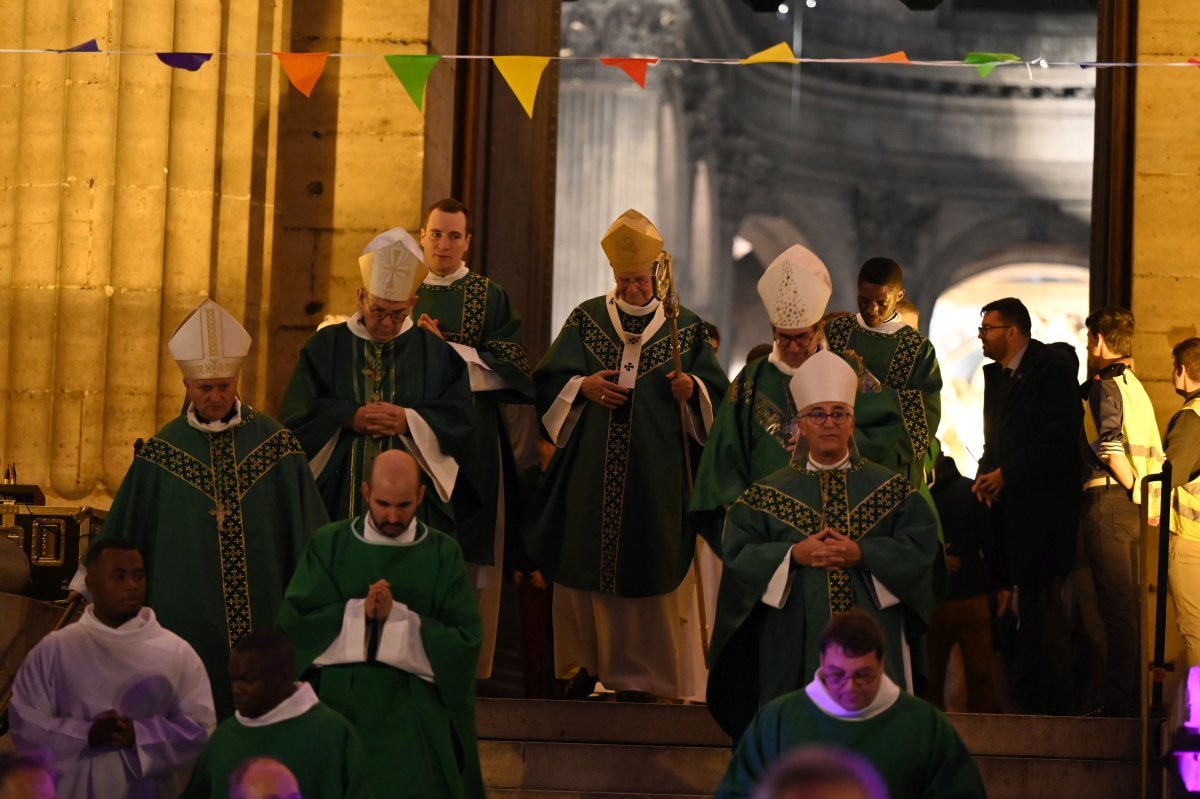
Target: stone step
(539, 770)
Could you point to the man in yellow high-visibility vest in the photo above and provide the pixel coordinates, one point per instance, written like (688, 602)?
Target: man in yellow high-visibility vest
(1183, 451)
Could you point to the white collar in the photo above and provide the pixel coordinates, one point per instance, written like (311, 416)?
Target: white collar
(633, 310)
(144, 621)
(355, 323)
(218, 426)
(895, 322)
(433, 279)
(776, 359)
(889, 692)
(302, 700)
(841, 465)
(371, 535)
(1015, 361)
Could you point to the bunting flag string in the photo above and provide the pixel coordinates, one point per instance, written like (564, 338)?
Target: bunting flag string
(523, 73)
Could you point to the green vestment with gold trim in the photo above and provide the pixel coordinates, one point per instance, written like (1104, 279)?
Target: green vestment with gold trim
(221, 520)
(609, 515)
(760, 652)
(893, 427)
(418, 736)
(749, 439)
(476, 312)
(339, 372)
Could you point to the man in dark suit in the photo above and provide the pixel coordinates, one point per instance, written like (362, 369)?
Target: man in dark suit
(1029, 476)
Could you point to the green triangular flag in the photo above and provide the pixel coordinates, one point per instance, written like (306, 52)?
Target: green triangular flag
(413, 71)
(986, 62)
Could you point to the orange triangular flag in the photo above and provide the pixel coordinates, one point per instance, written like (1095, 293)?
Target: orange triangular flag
(523, 73)
(898, 57)
(779, 54)
(633, 67)
(303, 69)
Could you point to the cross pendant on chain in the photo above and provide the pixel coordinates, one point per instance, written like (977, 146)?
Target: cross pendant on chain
(219, 512)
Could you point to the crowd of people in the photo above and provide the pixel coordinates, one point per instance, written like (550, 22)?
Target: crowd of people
(307, 603)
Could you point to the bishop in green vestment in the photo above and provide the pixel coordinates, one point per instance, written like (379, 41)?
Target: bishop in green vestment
(827, 533)
(851, 703)
(608, 521)
(220, 502)
(754, 426)
(897, 418)
(381, 606)
(378, 382)
(474, 316)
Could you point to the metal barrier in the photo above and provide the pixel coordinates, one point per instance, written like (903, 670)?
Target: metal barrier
(1154, 713)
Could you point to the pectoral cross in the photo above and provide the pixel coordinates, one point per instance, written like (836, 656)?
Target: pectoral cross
(220, 511)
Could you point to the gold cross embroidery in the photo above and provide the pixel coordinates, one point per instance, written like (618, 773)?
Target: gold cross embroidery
(221, 511)
(373, 371)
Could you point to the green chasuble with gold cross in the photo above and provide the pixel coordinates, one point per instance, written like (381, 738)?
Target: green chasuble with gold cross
(609, 515)
(221, 520)
(894, 426)
(339, 372)
(760, 652)
(475, 312)
(749, 439)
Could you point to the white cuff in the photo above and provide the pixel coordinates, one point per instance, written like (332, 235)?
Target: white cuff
(481, 375)
(884, 595)
(350, 646)
(706, 413)
(79, 583)
(780, 586)
(560, 419)
(422, 443)
(399, 641)
(321, 459)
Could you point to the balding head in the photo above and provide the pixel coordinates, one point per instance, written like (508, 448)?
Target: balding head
(393, 491)
(262, 778)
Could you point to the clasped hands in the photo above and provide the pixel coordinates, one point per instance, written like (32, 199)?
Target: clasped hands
(827, 550)
(380, 419)
(378, 604)
(111, 730)
(602, 389)
(987, 487)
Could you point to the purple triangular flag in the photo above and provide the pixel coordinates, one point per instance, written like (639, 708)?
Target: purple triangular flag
(89, 46)
(189, 61)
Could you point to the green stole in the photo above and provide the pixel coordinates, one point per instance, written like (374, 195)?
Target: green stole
(760, 652)
(418, 737)
(220, 520)
(609, 515)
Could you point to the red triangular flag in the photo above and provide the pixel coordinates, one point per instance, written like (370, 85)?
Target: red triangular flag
(303, 69)
(898, 57)
(633, 67)
(1195, 61)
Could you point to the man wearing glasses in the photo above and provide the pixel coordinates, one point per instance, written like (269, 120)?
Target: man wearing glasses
(853, 704)
(378, 382)
(753, 430)
(827, 533)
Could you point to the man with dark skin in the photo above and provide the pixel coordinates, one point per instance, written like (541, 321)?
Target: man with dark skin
(140, 689)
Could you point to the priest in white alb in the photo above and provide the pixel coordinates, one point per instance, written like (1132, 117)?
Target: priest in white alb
(121, 705)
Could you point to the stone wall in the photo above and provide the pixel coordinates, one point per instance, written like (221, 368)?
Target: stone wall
(129, 191)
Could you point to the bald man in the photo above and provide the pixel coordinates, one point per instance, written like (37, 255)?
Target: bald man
(262, 778)
(381, 604)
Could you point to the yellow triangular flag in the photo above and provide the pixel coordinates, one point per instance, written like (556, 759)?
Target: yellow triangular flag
(523, 74)
(779, 54)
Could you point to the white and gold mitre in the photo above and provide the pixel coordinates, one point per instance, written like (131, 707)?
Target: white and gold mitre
(632, 242)
(795, 288)
(392, 266)
(209, 343)
(824, 377)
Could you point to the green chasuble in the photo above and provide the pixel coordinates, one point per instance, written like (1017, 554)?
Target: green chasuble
(609, 515)
(339, 372)
(749, 439)
(418, 736)
(475, 312)
(911, 745)
(894, 426)
(319, 747)
(221, 520)
(760, 652)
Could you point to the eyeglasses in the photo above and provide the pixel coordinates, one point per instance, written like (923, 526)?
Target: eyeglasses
(818, 417)
(799, 339)
(379, 314)
(984, 329)
(837, 678)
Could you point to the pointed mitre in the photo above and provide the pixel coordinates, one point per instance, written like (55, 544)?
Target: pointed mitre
(795, 288)
(209, 343)
(632, 242)
(392, 266)
(824, 377)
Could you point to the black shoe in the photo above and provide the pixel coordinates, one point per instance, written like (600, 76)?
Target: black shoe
(580, 685)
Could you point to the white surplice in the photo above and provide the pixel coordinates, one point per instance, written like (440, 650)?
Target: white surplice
(138, 669)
